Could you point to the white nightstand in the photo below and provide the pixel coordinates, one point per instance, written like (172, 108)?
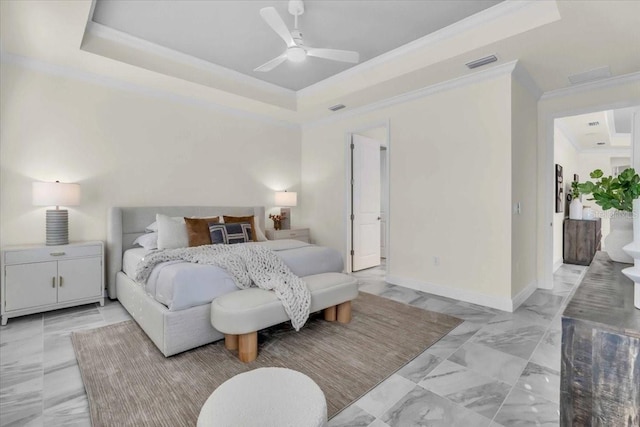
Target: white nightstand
(43, 278)
(296, 234)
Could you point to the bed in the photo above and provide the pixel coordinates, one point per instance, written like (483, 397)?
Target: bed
(179, 321)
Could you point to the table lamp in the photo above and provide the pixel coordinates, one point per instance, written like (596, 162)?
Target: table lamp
(56, 194)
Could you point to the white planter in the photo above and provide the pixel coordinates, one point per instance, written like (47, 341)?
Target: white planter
(575, 209)
(633, 249)
(620, 235)
(588, 214)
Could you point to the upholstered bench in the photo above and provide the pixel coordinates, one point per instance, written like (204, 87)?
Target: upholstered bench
(241, 314)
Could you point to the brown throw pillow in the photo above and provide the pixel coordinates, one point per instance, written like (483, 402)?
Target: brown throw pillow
(249, 219)
(198, 230)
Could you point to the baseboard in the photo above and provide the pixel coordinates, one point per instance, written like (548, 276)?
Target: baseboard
(524, 294)
(557, 265)
(501, 303)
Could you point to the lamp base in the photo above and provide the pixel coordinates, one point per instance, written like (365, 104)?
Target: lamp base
(57, 227)
(286, 222)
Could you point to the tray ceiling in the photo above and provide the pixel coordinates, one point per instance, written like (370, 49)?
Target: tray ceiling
(232, 34)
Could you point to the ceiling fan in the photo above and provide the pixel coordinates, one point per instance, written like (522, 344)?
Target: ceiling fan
(296, 50)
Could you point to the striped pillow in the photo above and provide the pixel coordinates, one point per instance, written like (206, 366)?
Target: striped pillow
(229, 234)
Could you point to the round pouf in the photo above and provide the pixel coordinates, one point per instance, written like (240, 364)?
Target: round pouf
(266, 397)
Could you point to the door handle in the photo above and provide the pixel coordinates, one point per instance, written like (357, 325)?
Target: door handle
(60, 281)
(53, 282)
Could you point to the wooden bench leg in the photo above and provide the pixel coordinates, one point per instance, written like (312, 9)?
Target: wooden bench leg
(230, 342)
(248, 347)
(330, 314)
(344, 312)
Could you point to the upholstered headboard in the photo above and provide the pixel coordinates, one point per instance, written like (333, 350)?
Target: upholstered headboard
(125, 224)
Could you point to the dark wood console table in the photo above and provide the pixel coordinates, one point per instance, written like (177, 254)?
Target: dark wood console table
(600, 378)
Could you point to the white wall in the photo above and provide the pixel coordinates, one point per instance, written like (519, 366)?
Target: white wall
(450, 179)
(566, 156)
(129, 149)
(524, 121)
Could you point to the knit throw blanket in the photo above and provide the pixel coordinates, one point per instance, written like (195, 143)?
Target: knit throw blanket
(247, 264)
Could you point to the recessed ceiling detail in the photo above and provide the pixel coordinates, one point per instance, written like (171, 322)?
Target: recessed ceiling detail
(233, 35)
(597, 130)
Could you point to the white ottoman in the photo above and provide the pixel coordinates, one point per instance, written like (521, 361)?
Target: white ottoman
(266, 397)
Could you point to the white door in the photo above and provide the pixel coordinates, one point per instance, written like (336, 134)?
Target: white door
(79, 278)
(365, 154)
(30, 285)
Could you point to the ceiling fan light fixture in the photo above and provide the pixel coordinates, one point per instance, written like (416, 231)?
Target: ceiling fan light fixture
(296, 54)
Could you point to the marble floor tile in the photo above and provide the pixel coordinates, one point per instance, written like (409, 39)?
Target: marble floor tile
(21, 404)
(352, 416)
(419, 367)
(73, 319)
(62, 385)
(541, 381)
(466, 311)
(432, 303)
(20, 328)
(454, 339)
(514, 337)
(400, 294)
(548, 351)
(58, 351)
(467, 388)
(385, 395)
(378, 423)
(422, 407)
(114, 313)
(487, 361)
(21, 352)
(375, 287)
(522, 408)
(542, 304)
(71, 412)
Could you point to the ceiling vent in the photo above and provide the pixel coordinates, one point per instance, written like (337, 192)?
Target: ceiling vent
(594, 123)
(587, 76)
(337, 107)
(482, 61)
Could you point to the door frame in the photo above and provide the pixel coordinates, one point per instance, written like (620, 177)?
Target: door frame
(385, 123)
(549, 183)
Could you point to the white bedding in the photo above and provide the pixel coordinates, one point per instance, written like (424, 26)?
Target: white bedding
(181, 285)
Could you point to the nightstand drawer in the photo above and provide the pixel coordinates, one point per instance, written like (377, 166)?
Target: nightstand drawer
(292, 234)
(51, 253)
(295, 234)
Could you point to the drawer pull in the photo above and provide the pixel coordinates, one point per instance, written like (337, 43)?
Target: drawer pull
(53, 282)
(57, 253)
(60, 281)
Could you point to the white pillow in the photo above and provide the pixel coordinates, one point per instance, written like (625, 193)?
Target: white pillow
(154, 225)
(172, 232)
(147, 241)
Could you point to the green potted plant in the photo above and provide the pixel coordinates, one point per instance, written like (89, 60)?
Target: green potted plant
(618, 193)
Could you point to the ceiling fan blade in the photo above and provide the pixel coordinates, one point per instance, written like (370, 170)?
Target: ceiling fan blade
(335, 54)
(268, 66)
(273, 19)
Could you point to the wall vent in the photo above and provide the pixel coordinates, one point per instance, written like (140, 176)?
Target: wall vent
(337, 107)
(600, 143)
(594, 123)
(482, 61)
(587, 76)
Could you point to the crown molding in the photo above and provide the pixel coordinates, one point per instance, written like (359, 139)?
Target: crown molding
(500, 10)
(590, 86)
(488, 74)
(71, 73)
(119, 37)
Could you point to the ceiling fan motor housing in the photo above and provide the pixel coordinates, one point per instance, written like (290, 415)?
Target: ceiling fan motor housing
(297, 36)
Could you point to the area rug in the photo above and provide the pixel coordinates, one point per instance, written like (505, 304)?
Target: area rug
(130, 383)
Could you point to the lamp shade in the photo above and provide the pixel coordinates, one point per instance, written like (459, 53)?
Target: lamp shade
(55, 194)
(286, 198)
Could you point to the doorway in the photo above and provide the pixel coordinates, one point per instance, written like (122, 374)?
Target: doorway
(582, 141)
(368, 198)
